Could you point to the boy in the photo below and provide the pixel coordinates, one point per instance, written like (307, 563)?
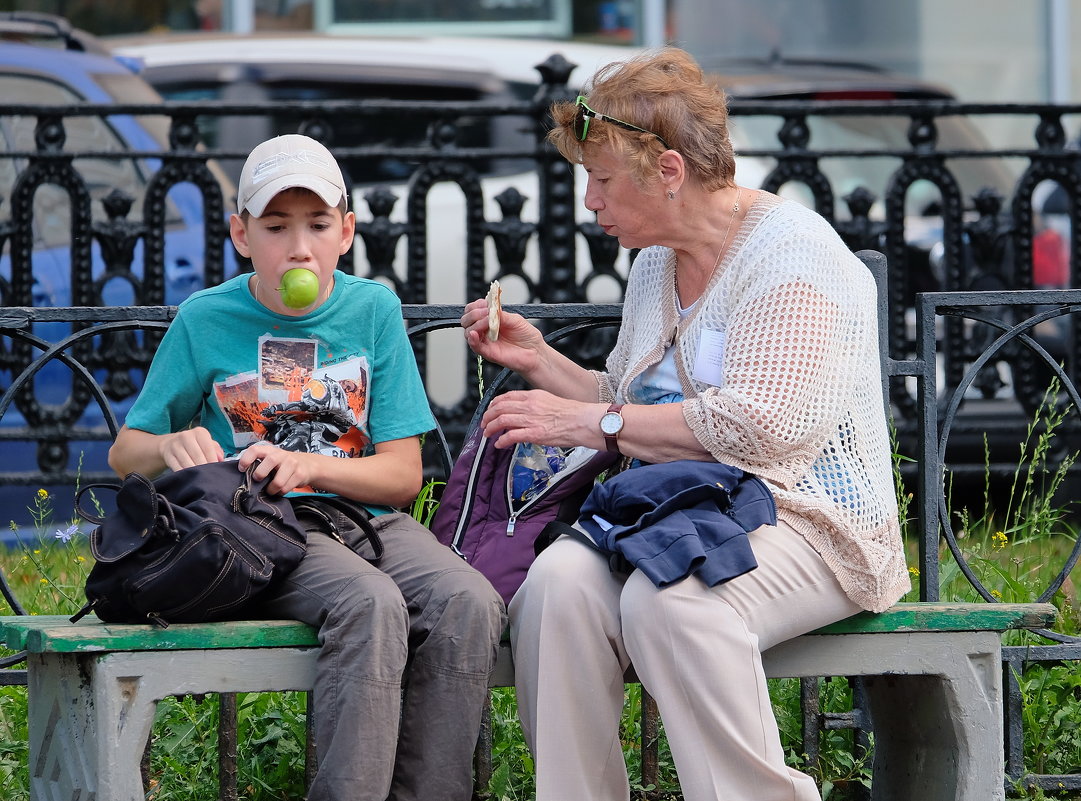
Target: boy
(305, 393)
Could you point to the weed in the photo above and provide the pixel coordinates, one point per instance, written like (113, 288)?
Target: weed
(1012, 549)
(427, 501)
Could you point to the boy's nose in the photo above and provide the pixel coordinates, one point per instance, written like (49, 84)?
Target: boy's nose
(301, 249)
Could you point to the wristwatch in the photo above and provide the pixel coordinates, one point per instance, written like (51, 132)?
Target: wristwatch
(611, 425)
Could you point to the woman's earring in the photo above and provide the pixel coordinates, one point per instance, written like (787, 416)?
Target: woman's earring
(671, 195)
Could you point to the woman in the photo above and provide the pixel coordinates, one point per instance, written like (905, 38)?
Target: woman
(749, 338)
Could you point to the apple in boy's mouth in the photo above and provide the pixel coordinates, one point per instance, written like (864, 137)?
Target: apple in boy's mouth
(299, 288)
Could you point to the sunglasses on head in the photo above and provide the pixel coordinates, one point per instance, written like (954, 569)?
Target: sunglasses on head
(583, 114)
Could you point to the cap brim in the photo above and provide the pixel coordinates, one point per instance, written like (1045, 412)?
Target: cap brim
(260, 199)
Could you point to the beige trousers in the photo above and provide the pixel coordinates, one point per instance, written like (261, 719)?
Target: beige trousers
(575, 627)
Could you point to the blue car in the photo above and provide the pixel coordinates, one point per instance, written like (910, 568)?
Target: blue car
(43, 61)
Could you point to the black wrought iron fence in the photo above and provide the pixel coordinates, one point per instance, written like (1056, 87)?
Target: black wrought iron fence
(920, 197)
(1002, 321)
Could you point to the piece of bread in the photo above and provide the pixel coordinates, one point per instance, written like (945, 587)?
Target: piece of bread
(495, 304)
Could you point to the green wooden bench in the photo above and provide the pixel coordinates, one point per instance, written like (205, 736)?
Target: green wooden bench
(933, 674)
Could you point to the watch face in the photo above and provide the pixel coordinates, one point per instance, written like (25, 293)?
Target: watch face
(611, 423)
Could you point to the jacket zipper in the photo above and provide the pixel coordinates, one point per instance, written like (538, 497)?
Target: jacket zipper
(470, 496)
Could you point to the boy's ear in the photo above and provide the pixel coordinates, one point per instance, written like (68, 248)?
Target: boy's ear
(238, 231)
(349, 225)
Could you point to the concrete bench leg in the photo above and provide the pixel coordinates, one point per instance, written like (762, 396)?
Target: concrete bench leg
(926, 743)
(90, 715)
(941, 735)
(936, 707)
(66, 740)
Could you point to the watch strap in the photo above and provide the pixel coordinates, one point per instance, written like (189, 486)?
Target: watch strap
(611, 442)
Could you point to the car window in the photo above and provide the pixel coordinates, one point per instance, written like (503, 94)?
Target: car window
(90, 133)
(125, 87)
(384, 130)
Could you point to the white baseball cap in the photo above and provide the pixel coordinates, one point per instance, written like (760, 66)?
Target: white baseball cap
(286, 162)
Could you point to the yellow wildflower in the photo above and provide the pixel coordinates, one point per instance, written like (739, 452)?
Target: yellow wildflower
(43, 494)
(996, 594)
(915, 571)
(999, 541)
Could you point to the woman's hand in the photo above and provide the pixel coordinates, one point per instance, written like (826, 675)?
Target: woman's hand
(520, 343)
(538, 416)
(522, 348)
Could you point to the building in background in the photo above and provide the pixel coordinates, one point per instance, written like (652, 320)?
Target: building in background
(994, 51)
(605, 20)
(984, 50)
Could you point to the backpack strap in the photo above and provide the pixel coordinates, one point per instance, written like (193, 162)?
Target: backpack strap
(86, 610)
(92, 517)
(317, 508)
(617, 563)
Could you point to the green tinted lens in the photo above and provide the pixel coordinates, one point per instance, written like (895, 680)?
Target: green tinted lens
(581, 121)
(581, 125)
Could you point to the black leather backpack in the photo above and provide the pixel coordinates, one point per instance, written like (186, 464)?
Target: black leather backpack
(195, 545)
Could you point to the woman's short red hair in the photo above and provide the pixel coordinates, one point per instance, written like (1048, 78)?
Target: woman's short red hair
(663, 91)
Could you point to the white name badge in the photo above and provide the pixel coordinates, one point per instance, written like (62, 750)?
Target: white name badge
(709, 363)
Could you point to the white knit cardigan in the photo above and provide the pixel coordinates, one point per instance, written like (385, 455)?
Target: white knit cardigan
(800, 400)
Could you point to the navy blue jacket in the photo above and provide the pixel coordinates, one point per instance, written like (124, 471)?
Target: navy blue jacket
(677, 518)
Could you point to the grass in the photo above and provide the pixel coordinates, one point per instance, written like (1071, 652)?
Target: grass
(1018, 536)
(1014, 550)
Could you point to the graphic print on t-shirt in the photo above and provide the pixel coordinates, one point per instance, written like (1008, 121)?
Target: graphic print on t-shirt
(297, 404)
(238, 398)
(284, 367)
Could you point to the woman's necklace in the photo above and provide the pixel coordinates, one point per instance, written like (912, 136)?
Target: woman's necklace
(720, 254)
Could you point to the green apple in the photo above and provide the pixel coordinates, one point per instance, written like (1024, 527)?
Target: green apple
(299, 288)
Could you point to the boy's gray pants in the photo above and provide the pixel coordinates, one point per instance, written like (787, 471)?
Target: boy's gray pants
(423, 622)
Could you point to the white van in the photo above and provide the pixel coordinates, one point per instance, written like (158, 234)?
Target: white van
(320, 67)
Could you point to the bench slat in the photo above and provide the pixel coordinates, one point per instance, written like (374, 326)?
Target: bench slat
(55, 634)
(933, 616)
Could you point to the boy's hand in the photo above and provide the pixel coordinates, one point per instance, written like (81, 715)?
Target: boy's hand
(190, 447)
(289, 468)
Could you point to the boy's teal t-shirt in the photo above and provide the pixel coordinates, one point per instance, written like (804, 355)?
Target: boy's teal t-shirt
(334, 381)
